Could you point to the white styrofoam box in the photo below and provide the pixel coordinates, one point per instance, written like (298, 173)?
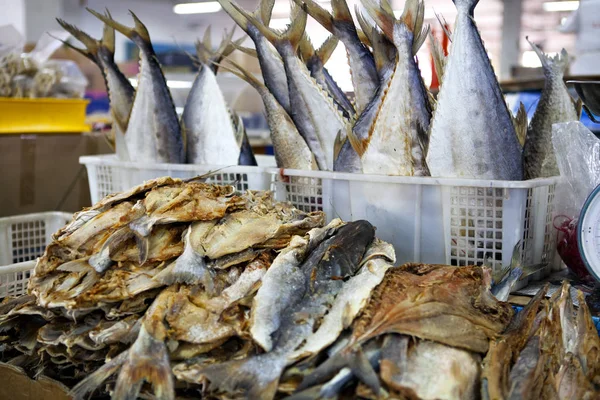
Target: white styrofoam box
(23, 238)
(434, 220)
(106, 174)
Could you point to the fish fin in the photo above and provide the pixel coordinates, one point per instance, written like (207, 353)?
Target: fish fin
(293, 34)
(248, 374)
(91, 44)
(444, 25)
(318, 13)
(245, 50)
(238, 18)
(210, 57)
(520, 123)
(365, 31)
(189, 268)
(361, 367)
(143, 244)
(108, 35)
(358, 145)
(327, 48)
(439, 58)
(413, 17)
(557, 64)
(306, 49)
(207, 38)
(467, 6)
(265, 11)
(147, 360)
(341, 12)
(241, 73)
(383, 18)
(578, 107)
(91, 382)
(338, 144)
(139, 31)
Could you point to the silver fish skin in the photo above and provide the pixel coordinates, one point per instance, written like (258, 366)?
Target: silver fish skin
(362, 65)
(555, 106)
(314, 293)
(120, 91)
(290, 148)
(207, 123)
(269, 60)
(502, 289)
(472, 133)
(389, 139)
(315, 114)
(153, 133)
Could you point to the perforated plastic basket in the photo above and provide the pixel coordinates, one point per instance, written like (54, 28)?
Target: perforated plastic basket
(432, 220)
(108, 175)
(23, 238)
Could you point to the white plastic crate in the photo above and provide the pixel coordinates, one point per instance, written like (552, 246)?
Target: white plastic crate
(23, 238)
(106, 174)
(434, 220)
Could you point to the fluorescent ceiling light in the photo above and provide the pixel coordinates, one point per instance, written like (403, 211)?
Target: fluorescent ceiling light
(554, 6)
(170, 83)
(197, 8)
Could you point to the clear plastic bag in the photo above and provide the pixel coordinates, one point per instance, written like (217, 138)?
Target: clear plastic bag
(33, 74)
(577, 152)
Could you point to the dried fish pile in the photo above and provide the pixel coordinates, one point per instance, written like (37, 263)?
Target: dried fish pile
(192, 251)
(550, 351)
(182, 289)
(146, 126)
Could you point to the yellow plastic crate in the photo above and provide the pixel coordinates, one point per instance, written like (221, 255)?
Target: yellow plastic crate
(42, 115)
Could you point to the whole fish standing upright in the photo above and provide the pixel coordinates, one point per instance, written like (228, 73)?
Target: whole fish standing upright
(390, 134)
(153, 133)
(291, 151)
(119, 89)
(213, 134)
(315, 114)
(555, 105)
(472, 132)
(362, 65)
(315, 62)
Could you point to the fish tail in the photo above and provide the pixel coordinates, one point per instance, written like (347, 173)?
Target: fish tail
(321, 15)
(137, 33)
(467, 6)
(248, 20)
(94, 380)
(520, 123)
(327, 48)
(555, 65)
(306, 48)
(257, 376)
(241, 73)
(265, 11)
(91, 45)
(341, 12)
(108, 36)
(365, 31)
(147, 360)
(189, 268)
(383, 18)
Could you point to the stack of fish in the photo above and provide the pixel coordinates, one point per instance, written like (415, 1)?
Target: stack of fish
(394, 126)
(146, 125)
(550, 351)
(197, 249)
(261, 301)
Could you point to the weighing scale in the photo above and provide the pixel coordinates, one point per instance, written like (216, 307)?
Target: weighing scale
(588, 235)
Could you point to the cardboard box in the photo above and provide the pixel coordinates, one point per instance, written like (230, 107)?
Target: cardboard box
(42, 172)
(16, 385)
